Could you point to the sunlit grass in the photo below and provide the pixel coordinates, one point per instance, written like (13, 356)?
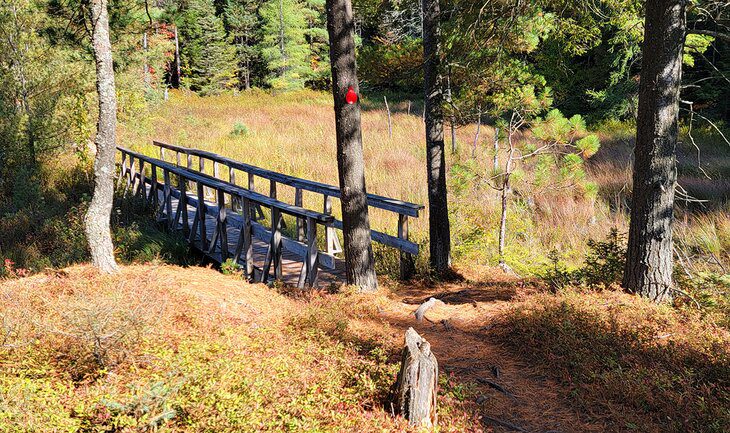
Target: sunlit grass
(294, 133)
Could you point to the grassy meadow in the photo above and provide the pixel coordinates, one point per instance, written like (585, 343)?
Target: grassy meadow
(294, 133)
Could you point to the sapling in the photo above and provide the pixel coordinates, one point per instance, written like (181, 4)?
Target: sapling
(549, 146)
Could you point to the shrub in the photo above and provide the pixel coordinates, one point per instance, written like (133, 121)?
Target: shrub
(239, 130)
(604, 262)
(602, 267)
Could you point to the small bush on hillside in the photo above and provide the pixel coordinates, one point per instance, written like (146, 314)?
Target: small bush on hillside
(711, 291)
(603, 265)
(557, 274)
(229, 267)
(239, 130)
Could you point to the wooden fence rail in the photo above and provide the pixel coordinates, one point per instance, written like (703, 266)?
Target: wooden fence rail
(403, 209)
(133, 176)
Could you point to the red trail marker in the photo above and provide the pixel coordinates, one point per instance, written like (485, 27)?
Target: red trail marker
(351, 96)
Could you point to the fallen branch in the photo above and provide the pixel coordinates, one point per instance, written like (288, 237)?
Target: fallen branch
(496, 386)
(421, 311)
(504, 424)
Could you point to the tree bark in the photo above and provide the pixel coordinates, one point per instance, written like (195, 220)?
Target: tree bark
(416, 387)
(176, 70)
(438, 218)
(98, 217)
(359, 261)
(649, 261)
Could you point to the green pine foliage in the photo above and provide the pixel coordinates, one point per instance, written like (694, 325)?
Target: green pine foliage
(242, 22)
(209, 59)
(283, 45)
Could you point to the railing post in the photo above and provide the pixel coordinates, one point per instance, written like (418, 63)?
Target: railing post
(273, 257)
(141, 185)
(168, 198)
(312, 251)
(153, 197)
(407, 262)
(247, 241)
(122, 170)
(298, 201)
(201, 218)
(130, 174)
(183, 203)
(272, 188)
(162, 153)
(216, 175)
(235, 201)
(222, 224)
(330, 236)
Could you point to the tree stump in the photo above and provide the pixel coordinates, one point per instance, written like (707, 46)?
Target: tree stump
(415, 389)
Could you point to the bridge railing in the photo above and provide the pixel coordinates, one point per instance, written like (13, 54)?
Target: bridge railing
(133, 175)
(186, 157)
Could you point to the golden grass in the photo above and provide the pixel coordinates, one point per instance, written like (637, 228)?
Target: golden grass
(294, 133)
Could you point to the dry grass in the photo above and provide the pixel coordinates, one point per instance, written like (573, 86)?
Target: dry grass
(294, 133)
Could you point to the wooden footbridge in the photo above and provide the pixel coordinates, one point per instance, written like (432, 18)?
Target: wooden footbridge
(228, 221)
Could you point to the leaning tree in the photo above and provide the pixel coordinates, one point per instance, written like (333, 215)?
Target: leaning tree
(359, 260)
(649, 261)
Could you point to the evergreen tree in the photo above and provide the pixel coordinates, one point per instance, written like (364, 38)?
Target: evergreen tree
(318, 43)
(283, 45)
(209, 60)
(242, 23)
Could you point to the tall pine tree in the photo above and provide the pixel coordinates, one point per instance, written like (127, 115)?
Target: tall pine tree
(243, 23)
(283, 45)
(209, 60)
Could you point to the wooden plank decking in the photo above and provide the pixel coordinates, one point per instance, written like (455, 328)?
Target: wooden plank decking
(291, 263)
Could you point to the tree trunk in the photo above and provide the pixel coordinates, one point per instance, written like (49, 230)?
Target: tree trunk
(438, 218)
(176, 72)
(649, 261)
(503, 219)
(359, 261)
(415, 389)
(98, 217)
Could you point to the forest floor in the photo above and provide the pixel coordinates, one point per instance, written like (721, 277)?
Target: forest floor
(190, 349)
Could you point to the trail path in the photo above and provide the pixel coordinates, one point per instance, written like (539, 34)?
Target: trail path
(459, 332)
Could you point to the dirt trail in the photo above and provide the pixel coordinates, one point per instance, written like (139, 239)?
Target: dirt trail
(459, 332)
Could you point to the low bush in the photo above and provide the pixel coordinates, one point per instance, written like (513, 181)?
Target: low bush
(602, 267)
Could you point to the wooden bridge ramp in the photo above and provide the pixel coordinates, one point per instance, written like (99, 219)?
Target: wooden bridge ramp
(226, 221)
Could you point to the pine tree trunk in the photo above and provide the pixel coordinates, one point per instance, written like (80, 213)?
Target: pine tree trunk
(359, 259)
(438, 218)
(649, 261)
(98, 216)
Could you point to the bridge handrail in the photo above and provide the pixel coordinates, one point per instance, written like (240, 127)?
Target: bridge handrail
(231, 189)
(377, 201)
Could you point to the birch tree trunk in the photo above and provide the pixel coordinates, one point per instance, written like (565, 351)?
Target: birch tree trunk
(98, 231)
(649, 261)
(438, 212)
(359, 261)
